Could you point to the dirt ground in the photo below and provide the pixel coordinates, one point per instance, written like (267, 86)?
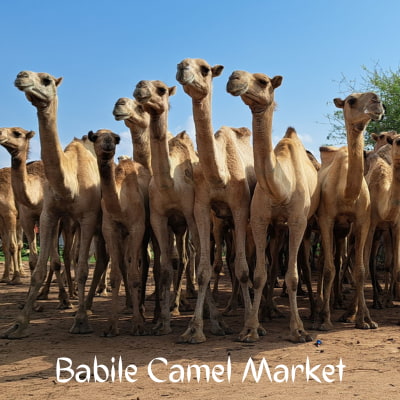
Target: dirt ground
(348, 363)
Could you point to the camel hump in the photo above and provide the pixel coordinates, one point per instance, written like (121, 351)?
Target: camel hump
(328, 153)
(242, 132)
(290, 132)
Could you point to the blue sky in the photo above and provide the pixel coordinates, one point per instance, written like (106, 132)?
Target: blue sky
(103, 48)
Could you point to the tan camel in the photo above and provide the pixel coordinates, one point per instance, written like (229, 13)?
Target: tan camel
(28, 180)
(286, 191)
(171, 189)
(124, 201)
(73, 189)
(345, 202)
(227, 165)
(383, 179)
(9, 226)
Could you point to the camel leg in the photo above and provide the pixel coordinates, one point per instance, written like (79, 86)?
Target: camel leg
(270, 310)
(296, 233)
(160, 228)
(327, 274)
(134, 245)
(253, 328)
(87, 227)
(358, 310)
(48, 223)
(195, 333)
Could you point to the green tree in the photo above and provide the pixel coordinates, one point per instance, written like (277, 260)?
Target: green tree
(384, 83)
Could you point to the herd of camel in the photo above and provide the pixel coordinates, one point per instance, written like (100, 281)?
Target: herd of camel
(176, 199)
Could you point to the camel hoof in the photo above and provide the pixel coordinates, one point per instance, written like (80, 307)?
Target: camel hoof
(162, 328)
(325, 326)
(15, 281)
(5, 280)
(249, 336)
(81, 326)
(17, 331)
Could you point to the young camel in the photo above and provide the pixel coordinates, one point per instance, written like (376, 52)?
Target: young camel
(345, 202)
(9, 226)
(73, 189)
(171, 188)
(227, 165)
(28, 180)
(383, 179)
(124, 201)
(286, 191)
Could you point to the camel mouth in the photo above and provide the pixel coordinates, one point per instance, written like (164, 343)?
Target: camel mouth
(23, 85)
(121, 116)
(184, 76)
(3, 140)
(235, 89)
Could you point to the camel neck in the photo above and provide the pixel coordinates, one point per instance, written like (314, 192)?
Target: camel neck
(355, 171)
(20, 179)
(211, 162)
(394, 193)
(52, 153)
(141, 145)
(109, 192)
(160, 161)
(265, 162)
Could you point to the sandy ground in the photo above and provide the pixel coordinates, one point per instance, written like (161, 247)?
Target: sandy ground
(348, 363)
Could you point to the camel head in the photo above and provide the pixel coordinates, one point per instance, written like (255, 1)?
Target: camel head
(394, 140)
(131, 112)
(256, 90)
(15, 140)
(40, 88)
(105, 143)
(195, 75)
(381, 139)
(360, 108)
(154, 96)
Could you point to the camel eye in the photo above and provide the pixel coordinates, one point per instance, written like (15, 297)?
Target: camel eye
(17, 134)
(161, 91)
(46, 81)
(262, 82)
(205, 70)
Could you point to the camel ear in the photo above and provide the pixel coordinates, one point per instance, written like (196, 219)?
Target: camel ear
(58, 81)
(117, 138)
(172, 90)
(389, 139)
(30, 135)
(339, 103)
(276, 81)
(217, 70)
(92, 136)
(374, 136)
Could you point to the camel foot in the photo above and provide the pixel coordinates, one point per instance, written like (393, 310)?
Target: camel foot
(112, 331)
(175, 312)
(43, 294)
(300, 336)
(138, 329)
(324, 326)
(377, 305)
(5, 279)
(15, 281)
(251, 335)
(269, 313)
(17, 331)
(81, 324)
(366, 324)
(193, 335)
(219, 328)
(162, 328)
(64, 304)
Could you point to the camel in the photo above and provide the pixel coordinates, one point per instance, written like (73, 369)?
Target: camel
(73, 189)
(345, 203)
(286, 192)
(9, 226)
(124, 200)
(28, 180)
(226, 186)
(383, 179)
(171, 189)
